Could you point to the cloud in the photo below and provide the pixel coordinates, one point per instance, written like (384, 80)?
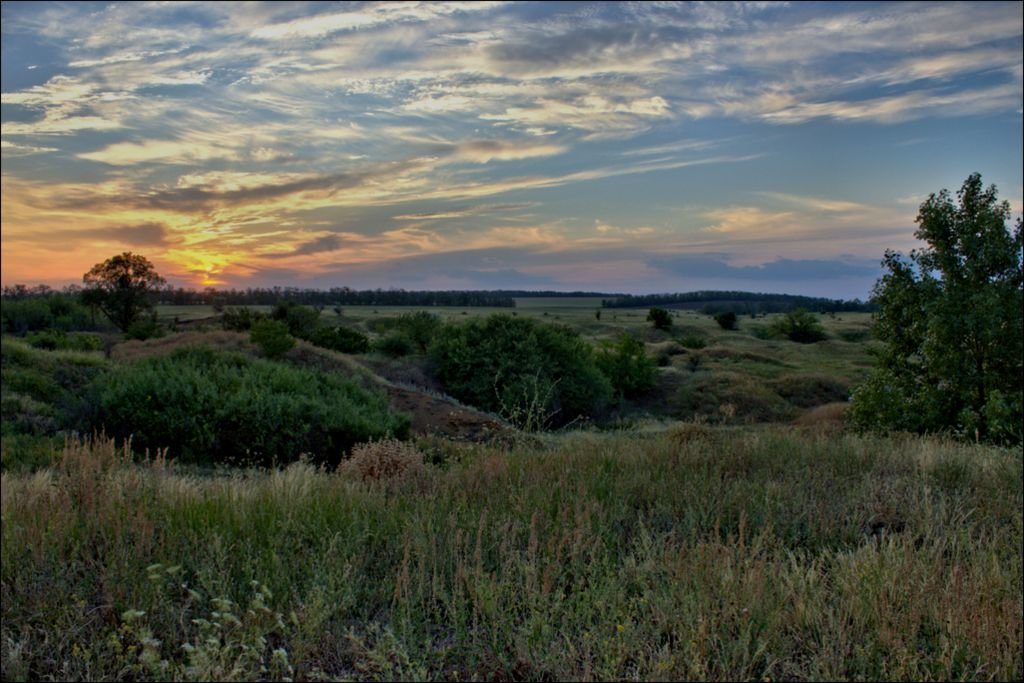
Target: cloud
(142, 235)
(319, 245)
(463, 212)
(13, 149)
(162, 151)
(781, 269)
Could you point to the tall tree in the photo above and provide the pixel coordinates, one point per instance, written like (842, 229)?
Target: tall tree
(951, 319)
(122, 287)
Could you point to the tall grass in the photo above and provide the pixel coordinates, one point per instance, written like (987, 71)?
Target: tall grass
(697, 554)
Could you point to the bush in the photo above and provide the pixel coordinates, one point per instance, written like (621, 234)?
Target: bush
(147, 328)
(53, 340)
(341, 339)
(532, 373)
(660, 318)
(212, 407)
(693, 341)
(54, 311)
(241, 319)
(395, 345)
(272, 337)
(727, 320)
(420, 327)
(302, 321)
(388, 463)
(799, 326)
(627, 366)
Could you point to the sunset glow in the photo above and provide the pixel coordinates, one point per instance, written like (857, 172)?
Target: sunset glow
(630, 147)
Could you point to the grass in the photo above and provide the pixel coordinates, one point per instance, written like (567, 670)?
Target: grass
(696, 553)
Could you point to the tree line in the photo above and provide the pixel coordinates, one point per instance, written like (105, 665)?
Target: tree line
(712, 302)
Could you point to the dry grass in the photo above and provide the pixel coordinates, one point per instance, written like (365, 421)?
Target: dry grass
(223, 340)
(826, 418)
(387, 462)
(699, 554)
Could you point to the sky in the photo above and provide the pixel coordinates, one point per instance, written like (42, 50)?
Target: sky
(615, 147)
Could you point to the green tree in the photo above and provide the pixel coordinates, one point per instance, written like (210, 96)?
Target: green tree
(800, 326)
(627, 366)
(122, 287)
(272, 337)
(726, 320)
(660, 318)
(950, 316)
(534, 374)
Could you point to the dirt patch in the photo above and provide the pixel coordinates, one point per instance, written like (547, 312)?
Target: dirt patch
(433, 415)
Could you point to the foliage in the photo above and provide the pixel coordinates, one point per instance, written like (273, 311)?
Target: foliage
(144, 328)
(302, 321)
(56, 311)
(42, 391)
(503, 363)
(240, 319)
(951, 319)
(799, 326)
(692, 341)
(122, 287)
(394, 344)
(726, 320)
(53, 340)
(272, 337)
(420, 328)
(627, 366)
(341, 339)
(209, 407)
(660, 318)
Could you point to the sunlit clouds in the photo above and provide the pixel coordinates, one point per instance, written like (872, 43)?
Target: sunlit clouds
(608, 146)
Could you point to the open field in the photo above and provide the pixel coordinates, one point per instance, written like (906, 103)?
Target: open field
(747, 554)
(720, 526)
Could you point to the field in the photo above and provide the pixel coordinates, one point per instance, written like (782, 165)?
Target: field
(722, 525)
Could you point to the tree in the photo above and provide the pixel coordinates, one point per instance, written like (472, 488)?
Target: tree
(800, 326)
(951, 320)
(660, 318)
(726, 320)
(122, 287)
(272, 337)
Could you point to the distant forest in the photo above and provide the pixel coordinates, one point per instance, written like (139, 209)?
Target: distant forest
(705, 301)
(737, 302)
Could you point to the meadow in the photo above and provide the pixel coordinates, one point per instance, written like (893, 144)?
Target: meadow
(724, 524)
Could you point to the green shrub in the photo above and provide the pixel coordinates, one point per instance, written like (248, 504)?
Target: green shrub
(302, 321)
(532, 373)
(693, 341)
(272, 337)
(726, 320)
(626, 364)
(53, 340)
(395, 345)
(341, 339)
(660, 318)
(240, 319)
(146, 328)
(210, 407)
(54, 311)
(799, 326)
(420, 327)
